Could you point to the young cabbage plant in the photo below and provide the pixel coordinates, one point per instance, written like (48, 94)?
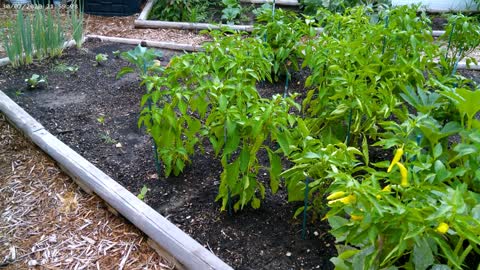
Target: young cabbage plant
(145, 60)
(100, 58)
(35, 81)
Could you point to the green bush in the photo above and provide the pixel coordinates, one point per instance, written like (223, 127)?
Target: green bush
(181, 10)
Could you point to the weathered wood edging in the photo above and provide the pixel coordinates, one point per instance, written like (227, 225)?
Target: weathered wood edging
(277, 2)
(149, 43)
(4, 61)
(189, 253)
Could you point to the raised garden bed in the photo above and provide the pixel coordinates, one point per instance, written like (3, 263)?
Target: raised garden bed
(143, 20)
(70, 107)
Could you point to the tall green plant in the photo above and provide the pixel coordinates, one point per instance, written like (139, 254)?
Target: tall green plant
(461, 39)
(310, 7)
(212, 95)
(34, 36)
(77, 21)
(180, 10)
(283, 31)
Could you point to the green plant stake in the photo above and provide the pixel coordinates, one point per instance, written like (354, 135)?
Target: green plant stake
(287, 77)
(273, 10)
(229, 194)
(305, 208)
(450, 39)
(455, 66)
(385, 37)
(229, 202)
(155, 148)
(347, 140)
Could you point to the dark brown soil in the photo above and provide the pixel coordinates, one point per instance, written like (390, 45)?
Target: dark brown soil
(70, 106)
(438, 22)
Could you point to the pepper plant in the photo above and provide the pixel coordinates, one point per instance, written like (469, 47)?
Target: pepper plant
(283, 32)
(459, 40)
(421, 209)
(358, 66)
(212, 95)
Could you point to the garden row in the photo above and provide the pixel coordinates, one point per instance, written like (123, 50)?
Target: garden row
(244, 12)
(376, 80)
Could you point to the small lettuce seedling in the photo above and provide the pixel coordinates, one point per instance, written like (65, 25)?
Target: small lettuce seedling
(116, 53)
(100, 58)
(101, 119)
(35, 81)
(142, 193)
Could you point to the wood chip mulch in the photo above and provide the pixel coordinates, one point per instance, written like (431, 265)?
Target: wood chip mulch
(47, 222)
(124, 27)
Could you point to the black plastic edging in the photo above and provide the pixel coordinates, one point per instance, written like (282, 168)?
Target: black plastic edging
(177, 243)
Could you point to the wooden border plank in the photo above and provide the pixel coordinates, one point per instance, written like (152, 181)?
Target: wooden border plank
(277, 2)
(187, 251)
(146, 10)
(189, 25)
(4, 61)
(150, 43)
(18, 117)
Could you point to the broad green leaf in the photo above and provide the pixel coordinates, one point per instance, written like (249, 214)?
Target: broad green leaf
(283, 142)
(233, 171)
(275, 170)
(422, 254)
(255, 203)
(437, 150)
(244, 159)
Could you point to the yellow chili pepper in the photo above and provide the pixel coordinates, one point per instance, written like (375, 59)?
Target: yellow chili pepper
(404, 174)
(442, 228)
(336, 195)
(396, 158)
(387, 188)
(356, 218)
(345, 200)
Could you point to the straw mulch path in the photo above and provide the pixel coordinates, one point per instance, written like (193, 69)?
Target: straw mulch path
(48, 222)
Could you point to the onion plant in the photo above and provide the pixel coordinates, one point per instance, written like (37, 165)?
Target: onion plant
(40, 34)
(76, 20)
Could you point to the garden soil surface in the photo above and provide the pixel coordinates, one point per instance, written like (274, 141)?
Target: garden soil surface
(96, 115)
(48, 222)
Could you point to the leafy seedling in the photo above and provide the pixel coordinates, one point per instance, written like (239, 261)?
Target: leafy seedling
(142, 193)
(107, 139)
(35, 81)
(144, 59)
(100, 58)
(61, 68)
(116, 53)
(101, 119)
